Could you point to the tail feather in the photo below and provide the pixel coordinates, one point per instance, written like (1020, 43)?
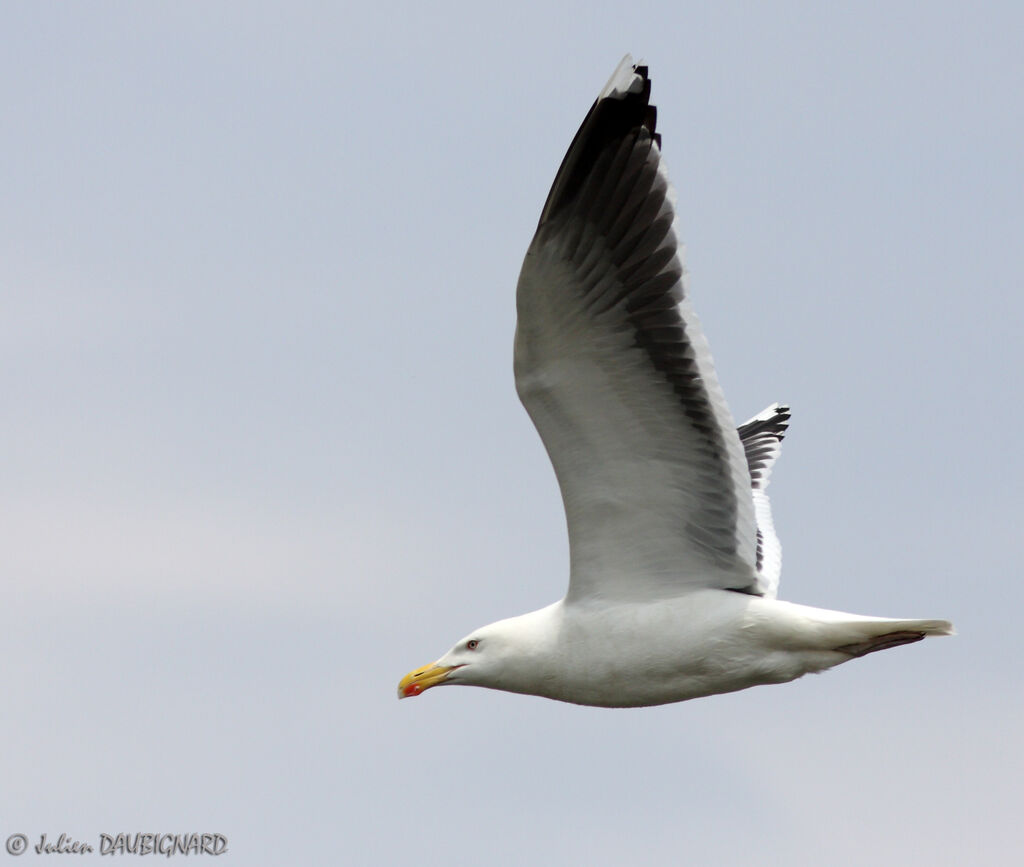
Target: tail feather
(884, 634)
(925, 627)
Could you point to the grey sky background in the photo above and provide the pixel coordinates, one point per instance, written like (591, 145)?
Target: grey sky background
(263, 455)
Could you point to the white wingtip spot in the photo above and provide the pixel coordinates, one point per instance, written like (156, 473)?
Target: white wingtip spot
(623, 80)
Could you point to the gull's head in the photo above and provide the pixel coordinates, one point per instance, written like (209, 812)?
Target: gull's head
(499, 656)
(473, 660)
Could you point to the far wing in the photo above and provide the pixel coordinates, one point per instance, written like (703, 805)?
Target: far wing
(762, 442)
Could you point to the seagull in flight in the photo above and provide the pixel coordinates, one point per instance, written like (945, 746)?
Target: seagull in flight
(674, 559)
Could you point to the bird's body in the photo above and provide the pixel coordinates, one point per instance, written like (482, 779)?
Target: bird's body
(674, 558)
(699, 643)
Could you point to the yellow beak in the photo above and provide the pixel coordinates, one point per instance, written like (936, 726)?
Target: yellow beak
(423, 678)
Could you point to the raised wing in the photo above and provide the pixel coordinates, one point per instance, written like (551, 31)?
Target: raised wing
(762, 443)
(614, 371)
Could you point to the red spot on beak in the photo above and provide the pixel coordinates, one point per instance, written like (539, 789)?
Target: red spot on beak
(412, 689)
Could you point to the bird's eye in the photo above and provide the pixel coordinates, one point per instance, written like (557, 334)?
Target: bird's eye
(471, 644)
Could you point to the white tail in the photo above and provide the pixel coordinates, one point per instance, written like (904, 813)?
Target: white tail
(881, 634)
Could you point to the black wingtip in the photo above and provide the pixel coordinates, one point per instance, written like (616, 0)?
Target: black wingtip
(775, 425)
(611, 118)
